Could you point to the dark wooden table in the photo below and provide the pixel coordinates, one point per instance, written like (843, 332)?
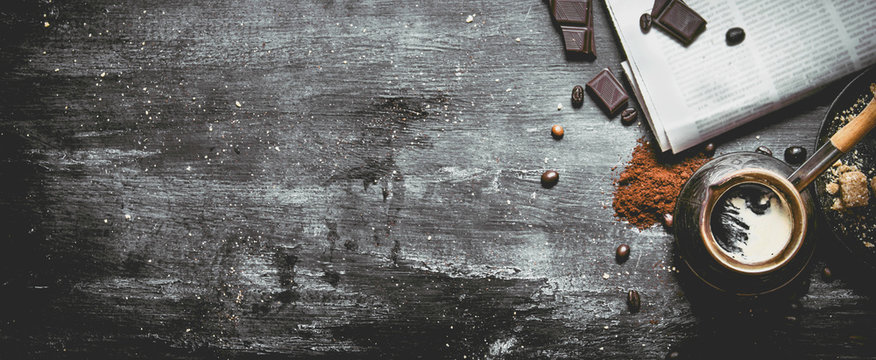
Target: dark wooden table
(347, 179)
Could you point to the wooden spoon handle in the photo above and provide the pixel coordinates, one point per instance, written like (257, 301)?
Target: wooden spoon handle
(846, 138)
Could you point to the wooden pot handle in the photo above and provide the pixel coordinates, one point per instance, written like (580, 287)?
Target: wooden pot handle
(846, 138)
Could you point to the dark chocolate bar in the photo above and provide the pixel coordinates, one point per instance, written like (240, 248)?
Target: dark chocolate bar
(577, 39)
(608, 91)
(679, 20)
(571, 12)
(591, 47)
(575, 18)
(658, 6)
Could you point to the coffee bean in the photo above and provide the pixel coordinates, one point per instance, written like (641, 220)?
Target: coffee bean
(826, 273)
(795, 154)
(577, 96)
(709, 148)
(622, 253)
(764, 150)
(645, 22)
(673, 355)
(557, 131)
(634, 301)
(667, 220)
(549, 178)
(628, 116)
(735, 36)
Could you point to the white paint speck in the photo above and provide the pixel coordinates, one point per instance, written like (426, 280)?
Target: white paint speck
(502, 346)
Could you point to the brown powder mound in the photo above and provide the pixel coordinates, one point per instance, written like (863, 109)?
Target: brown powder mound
(647, 187)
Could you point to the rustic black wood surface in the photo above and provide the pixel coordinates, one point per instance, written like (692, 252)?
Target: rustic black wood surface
(347, 179)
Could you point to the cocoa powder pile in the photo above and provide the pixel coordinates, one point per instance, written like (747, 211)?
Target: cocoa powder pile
(649, 184)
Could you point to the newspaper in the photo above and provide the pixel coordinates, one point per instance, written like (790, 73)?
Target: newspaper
(791, 48)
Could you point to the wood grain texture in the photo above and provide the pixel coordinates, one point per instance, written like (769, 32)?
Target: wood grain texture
(346, 179)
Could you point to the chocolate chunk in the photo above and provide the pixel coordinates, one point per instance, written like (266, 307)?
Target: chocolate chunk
(592, 47)
(628, 116)
(680, 20)
(608, 91)
(575, 18)
(578, 39)
(645, 22)
(734, 36)
(658, 6)
(571, 12)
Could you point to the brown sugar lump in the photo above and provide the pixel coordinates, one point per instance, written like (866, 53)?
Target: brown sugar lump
(854, 189)
(832, 188)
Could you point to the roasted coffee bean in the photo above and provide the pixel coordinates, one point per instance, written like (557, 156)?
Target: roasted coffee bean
(826, 273)
(628, 116)
(764, 150)
(667, 220)
(634, 301)
(557, 131)
(622, 253)
(735, 36)
(549, 178)
(709, 148)
(673, 355)
(645, 22)
(577, 96)
(795, 154)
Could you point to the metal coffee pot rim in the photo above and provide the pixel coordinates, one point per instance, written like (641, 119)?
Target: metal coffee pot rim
(777, 184)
